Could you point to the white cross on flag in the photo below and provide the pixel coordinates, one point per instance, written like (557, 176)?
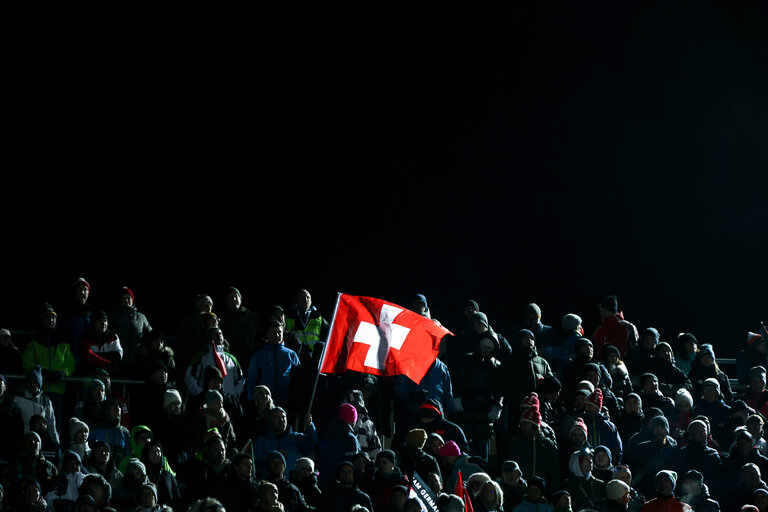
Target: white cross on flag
(374, 336)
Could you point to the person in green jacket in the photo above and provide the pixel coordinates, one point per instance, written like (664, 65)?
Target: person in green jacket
(141, 435)
(55, 357)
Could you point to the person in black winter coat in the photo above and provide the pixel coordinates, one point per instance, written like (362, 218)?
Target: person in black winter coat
(695, 493)
(413, 458)
(239, 488)
(704, 367)
(671, 378)
(304, 477)
(288, 493)
(478, 390)
(343, 493)
(432, 420)
(696, 454)
(640, 360)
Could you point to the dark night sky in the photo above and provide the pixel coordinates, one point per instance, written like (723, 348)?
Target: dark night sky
(537, 151)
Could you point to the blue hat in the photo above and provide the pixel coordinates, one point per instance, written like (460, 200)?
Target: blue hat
(35, 374)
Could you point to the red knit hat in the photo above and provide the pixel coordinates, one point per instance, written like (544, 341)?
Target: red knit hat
(532, 400)
(579, 423)
(532, 415)
(596, 398)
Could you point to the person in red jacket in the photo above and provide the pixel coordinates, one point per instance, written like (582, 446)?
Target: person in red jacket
(665, 500)
(614, 329)
(100, 346)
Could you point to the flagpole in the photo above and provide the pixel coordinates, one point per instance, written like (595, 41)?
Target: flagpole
(322, 355)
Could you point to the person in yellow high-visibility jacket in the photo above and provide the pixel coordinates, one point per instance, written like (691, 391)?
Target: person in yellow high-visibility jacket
(305, 322)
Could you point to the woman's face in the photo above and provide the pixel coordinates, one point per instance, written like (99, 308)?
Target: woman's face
(155, 455)
(488, 493)
(707, 360)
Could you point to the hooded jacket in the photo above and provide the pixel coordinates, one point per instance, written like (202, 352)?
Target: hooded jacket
(586, 491)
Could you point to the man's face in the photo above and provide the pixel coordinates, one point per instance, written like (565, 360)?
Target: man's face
(159, 376)
(648, 342)
(631, 405)
(97, 394)
(757, 384)
(32, 444)
(534, 493)
(710, 394)
(664, 485)
(527, 341)
(531, 319)
(744, 445)
(346, 475)
(48, 321)
(697, 434)
(233, 300)
(651, 386)
(278, 420)
(469, 311)
(479, 327)
(276, 468)
(418, 307)
(126, 300)
(659, 433)
(303, 300)
(527, 429)
(157, 344)
(691, 487)
(593, 377)
(384, 465)
(217, 451)
(587, 350)
(243, 469)
(81, 293)
(275, 335)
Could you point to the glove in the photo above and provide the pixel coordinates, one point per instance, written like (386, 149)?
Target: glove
(457, 404)
(494, 413)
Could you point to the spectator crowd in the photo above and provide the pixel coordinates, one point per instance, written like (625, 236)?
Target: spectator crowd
(101, 411)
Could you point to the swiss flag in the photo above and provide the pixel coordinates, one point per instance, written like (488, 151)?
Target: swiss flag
(374, 336)
(219, 361)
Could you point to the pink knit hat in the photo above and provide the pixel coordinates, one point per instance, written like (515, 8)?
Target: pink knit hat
(348, 413)
(449, 448)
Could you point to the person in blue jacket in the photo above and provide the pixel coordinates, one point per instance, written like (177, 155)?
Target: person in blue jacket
(272, 366)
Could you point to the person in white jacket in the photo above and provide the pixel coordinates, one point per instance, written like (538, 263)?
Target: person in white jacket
(233, 383)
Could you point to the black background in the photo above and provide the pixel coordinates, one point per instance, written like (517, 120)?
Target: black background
(528, 151)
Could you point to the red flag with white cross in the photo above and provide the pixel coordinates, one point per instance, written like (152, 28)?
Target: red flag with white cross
(374, 336)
